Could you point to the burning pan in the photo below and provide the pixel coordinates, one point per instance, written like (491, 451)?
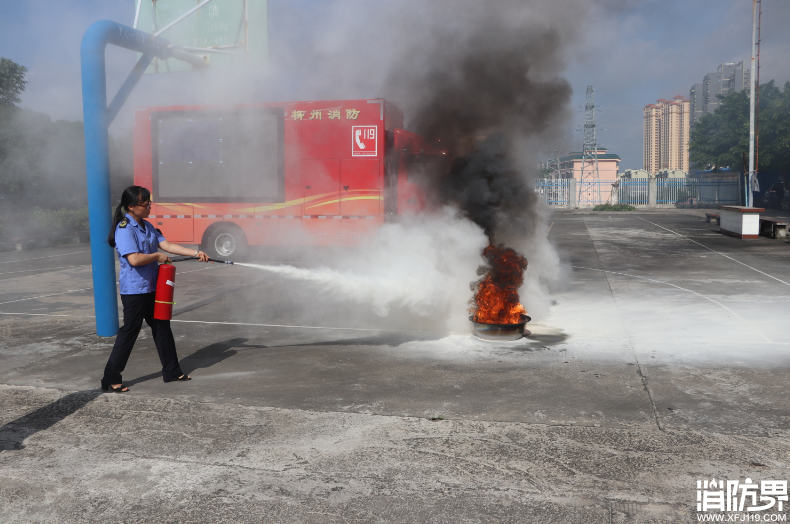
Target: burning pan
(501, 331)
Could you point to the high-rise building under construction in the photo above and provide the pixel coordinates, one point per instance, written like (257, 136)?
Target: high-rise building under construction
(666, 135)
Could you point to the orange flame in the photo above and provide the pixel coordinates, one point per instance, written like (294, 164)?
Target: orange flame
(496, 298)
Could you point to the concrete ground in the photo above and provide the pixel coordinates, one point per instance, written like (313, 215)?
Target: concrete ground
(664, 361)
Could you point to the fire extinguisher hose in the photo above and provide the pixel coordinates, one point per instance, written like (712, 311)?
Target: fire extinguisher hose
(196, 258)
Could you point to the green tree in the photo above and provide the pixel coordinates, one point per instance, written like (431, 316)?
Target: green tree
(21, 140)
(42, 163)
(12, 81)
(720, 139)
(774, 151)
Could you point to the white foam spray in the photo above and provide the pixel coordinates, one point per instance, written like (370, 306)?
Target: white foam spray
(422, 264)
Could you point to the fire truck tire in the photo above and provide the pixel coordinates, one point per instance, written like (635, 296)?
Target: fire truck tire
(225, 242)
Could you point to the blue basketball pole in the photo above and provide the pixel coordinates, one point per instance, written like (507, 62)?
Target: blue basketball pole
(97, 119)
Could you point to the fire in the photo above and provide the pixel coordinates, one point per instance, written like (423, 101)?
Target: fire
(496, 294)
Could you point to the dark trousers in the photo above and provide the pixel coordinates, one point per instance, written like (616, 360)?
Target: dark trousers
(137, 308)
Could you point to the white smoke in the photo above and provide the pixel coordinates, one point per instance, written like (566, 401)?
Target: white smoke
(545, 271)
(422, 265)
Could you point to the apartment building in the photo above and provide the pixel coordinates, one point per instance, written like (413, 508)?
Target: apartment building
(728, 78)
(696, 102)
(666, 135)
(652, 137)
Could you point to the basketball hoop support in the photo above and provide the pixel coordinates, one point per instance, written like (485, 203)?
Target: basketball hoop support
(97, 117)
(182, 17)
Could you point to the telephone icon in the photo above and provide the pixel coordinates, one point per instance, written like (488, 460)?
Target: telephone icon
(363, 141)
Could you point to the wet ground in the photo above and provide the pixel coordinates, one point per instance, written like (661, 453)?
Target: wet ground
(663, 361)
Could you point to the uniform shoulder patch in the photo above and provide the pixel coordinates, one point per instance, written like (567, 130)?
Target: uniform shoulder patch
(123, 223)
(159, 231)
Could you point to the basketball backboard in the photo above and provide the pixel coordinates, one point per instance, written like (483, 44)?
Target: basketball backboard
(226, 31)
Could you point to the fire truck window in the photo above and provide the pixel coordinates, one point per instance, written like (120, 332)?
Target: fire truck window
(222, 158)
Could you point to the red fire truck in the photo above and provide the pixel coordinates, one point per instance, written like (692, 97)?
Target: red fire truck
(297, 173)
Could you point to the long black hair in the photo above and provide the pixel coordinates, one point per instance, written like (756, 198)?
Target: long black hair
(132, 196)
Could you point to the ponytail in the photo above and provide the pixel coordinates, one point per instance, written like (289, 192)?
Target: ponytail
(132, 196)
(120, 211)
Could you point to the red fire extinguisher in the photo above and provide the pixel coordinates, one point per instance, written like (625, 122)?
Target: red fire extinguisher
(165, 289)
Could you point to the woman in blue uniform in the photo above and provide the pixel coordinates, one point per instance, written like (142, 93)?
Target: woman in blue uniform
(137, 243)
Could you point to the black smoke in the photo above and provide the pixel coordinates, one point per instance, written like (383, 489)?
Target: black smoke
(489, 189)
(485, 93)
(492, 84)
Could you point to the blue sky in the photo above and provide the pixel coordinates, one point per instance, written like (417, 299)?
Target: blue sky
(632, 52)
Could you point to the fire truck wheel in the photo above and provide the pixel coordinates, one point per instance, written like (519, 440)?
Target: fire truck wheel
(226, 243)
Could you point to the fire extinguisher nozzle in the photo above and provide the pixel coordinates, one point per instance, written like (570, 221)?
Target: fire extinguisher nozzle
(221, 261)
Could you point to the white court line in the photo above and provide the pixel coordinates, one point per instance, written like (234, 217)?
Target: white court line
(51, 256)
(194, 270)
(306, 327)
(46, 315)
(250, 324)
(736, 315)
(717, 252)
(86, 265)
(310, 327)
(44, 296)
(43, 269)
(331, 328)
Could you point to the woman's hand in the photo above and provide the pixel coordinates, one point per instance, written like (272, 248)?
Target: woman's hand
(181, 250)
(162, 258)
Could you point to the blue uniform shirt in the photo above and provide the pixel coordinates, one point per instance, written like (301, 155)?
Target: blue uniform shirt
(136, 238)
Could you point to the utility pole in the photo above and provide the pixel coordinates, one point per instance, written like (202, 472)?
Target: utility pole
(752, 99)
(589, 175)
(757, 95)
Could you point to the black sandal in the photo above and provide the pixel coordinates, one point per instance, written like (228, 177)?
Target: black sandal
(119, 389)
(182, 378)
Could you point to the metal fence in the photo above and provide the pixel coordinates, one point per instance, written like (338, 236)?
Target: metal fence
(673, 191)
(717, 191)
(626, 191)
(553, 192)
(634, 191)
(638, 192)
(593, 193)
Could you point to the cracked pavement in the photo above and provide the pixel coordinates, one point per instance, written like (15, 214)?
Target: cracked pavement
(662, 362)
